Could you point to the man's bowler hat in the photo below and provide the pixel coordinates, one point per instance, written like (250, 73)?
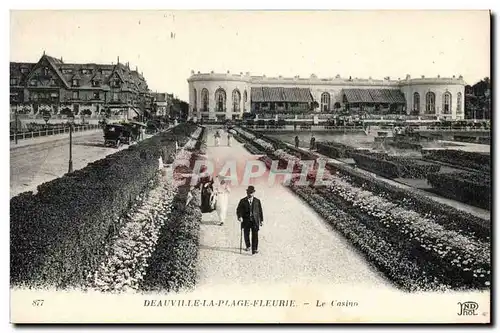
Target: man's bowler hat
(251, 189)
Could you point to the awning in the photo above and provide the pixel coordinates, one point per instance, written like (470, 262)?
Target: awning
(389, 96)
(280, 94)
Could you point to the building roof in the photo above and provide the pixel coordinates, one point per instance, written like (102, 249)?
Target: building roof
(374, 96)
(131, 79)
(280, 94)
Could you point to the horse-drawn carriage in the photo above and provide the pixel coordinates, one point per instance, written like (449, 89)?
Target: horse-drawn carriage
(116, 135)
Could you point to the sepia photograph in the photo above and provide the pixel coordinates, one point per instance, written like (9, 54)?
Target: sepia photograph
(250, 166)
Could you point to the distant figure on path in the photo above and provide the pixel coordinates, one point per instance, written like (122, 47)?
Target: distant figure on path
(250, 215)
(297, 141)
(217, 138)
(312, 143)
(229, 136)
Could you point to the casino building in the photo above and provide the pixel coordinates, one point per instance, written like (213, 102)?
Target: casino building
(229, 96)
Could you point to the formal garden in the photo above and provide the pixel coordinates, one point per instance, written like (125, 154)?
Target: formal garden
(418, 243)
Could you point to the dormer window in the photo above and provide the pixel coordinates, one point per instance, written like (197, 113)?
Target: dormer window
(33, 83)
(116, 83)
(86, 71)
(24, 70)
(95, 83)
(46, 71)
(75, 82)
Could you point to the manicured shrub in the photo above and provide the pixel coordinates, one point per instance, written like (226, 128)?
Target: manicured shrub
(472, 160)
(469, 187)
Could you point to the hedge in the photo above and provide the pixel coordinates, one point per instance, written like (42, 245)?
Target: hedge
(334, 149)
(58, 235)
(472, 160)
(469, 187)
(394, 166)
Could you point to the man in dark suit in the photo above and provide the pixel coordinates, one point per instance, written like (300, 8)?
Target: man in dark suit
(250, 215)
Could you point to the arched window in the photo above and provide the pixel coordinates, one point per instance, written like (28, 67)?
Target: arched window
(430, 102)
(459, 102)
(204, 99)
(325, 102)
(220, 100)
(236, 100)
(447, 102)
(416, 102)
(195, 100)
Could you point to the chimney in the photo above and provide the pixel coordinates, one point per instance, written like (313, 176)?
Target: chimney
(61, 59)
(136, 69)
(118, 60)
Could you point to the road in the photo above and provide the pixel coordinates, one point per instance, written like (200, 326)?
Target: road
(32, 165)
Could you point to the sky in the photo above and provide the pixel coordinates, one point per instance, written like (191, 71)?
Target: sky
(167, 45)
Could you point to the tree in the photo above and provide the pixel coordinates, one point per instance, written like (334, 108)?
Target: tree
(478, 99)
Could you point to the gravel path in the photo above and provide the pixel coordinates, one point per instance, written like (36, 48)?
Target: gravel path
(295, 244)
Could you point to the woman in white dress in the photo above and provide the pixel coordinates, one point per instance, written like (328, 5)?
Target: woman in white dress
(222, 200)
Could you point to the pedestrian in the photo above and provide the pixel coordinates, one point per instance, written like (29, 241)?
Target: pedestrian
(250, 215)
(229, 136)
(222, 188)
(312, 143)
(217, 138)
(297, 141)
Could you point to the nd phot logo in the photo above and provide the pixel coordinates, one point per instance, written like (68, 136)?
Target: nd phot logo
(468, 308)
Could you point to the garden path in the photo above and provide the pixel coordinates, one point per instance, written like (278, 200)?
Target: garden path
(296, 246)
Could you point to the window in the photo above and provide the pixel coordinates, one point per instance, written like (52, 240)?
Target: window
(430, 102)
(116, 83)
(75, 82)
(115, 96)
(95, 83)
(24, 70)
(195, 101)
(416, 102)
(33, 83)
(97, 95)
(13, 82)
(67, 71)
(75, 94)
(245, 99)
(46, 71)
(236, 100)
(86, 71)
(220, 100)
(204, 99)
(325, 101)
(459, 102)
(446, 102)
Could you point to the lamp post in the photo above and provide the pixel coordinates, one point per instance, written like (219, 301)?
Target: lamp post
(15, 124)
(71, 121)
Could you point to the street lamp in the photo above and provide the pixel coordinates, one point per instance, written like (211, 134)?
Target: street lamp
(71, 121)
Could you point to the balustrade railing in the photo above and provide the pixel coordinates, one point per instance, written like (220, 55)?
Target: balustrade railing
(52, 131)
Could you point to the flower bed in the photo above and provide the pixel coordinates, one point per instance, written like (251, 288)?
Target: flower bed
(471, 160)
(389, 258)
(456, 258)
(58, 235)
(127, 255)
(443, 214)
(252, 149)
(172, 266)
(469, 187)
